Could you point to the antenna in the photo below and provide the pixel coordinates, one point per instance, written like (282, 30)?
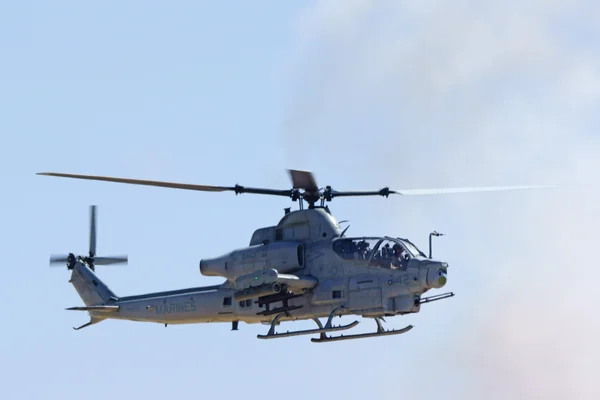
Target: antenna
(434, 233)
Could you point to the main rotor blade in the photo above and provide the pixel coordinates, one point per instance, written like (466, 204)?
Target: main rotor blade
(110, 260)
(141, 182)
(422, 192)
(303, 180)
(92, 231)
(383, 192)
(59, 258)
(173, 185)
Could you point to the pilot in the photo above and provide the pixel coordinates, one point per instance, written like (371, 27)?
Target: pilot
(361, 251)
(386, 252)
(398, 260)
(365, 251)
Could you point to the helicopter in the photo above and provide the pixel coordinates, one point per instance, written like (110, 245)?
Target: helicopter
(302, 268)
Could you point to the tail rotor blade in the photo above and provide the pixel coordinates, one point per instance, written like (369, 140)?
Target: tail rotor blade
(59, 259)
(110, 260)
(92, 231)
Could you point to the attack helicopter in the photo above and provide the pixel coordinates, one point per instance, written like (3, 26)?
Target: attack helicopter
(302, 268)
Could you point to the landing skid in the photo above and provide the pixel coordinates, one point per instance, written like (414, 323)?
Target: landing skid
(380, 332)
(322, 330)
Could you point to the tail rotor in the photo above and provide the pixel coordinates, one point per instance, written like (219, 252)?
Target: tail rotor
(91, 260)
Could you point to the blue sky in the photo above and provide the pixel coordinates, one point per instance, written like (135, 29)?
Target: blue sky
(365, 94)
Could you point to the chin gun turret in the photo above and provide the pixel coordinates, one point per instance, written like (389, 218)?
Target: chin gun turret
(436, 275)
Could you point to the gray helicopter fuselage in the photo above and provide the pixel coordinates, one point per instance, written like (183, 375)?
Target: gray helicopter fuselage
(307, 256)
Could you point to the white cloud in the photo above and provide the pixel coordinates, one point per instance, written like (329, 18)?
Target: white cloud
(461, 93)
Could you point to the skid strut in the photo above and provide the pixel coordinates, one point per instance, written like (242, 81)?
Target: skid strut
(322, 330)
(380, 332)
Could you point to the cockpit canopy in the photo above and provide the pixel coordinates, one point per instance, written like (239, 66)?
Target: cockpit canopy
(384, 252)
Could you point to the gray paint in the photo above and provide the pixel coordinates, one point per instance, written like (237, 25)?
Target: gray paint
(323, 279)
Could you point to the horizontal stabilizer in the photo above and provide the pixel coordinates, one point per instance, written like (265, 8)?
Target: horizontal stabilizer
(96, 308)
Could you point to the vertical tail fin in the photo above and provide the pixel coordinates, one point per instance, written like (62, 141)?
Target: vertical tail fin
(89, 287)
(94, 293)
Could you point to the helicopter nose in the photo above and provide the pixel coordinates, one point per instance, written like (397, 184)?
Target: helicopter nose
(436, 277)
